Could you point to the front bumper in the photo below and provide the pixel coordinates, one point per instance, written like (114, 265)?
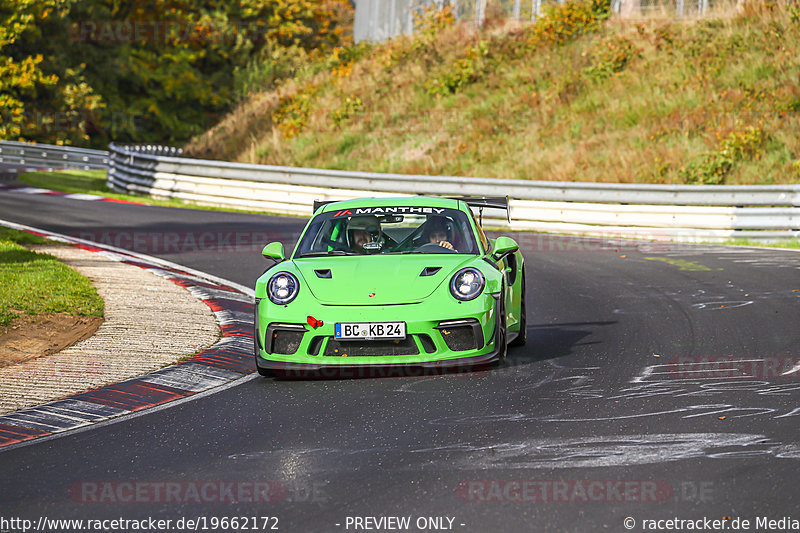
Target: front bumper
(314, 350)
(361, 370)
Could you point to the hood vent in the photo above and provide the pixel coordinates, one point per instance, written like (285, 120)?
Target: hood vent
(430, 271)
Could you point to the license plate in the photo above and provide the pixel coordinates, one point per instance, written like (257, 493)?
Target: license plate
(369, 330)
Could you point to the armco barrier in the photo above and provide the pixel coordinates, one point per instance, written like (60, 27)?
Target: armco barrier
(681, 212)
(48, 156)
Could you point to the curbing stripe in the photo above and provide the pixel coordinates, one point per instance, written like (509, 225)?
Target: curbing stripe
(230, 317)
(84, 196)
(228, 355)
(22, 189)
(224, 362)
(211, 295)
(37, 418)
(72, 416)
(132, 395)
(13, 434)
(85, 410)
(193, 377)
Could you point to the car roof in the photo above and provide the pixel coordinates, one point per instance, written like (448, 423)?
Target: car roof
(410, 201)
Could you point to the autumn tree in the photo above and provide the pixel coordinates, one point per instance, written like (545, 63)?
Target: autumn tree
(92, 71)
(40, 99)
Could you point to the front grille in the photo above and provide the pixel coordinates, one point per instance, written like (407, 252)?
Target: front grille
(461, 335)
(459, 338)
(406, 346)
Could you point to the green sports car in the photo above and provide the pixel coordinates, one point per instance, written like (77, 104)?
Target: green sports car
(390, 283)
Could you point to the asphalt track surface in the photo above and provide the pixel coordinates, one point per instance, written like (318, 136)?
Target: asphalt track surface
(591, 422)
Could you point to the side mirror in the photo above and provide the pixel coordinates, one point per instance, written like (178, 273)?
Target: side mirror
(504, 246)
(274, 250)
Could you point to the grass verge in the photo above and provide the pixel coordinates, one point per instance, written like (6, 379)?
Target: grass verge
(88, 182)
(33, 283)
(791, 244)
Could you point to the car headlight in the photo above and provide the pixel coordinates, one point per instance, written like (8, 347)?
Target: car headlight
(282, 288)
(467, 284)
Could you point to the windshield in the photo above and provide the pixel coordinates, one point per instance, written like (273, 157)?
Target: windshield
(388, 230)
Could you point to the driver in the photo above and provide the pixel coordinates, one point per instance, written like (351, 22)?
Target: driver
(439, 230)
(364, 234)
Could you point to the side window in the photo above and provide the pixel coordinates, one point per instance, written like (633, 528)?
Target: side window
(481, 234)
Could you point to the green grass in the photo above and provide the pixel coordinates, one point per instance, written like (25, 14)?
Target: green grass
(69, 181)
(22, 237)
(34, 283)
(792, 244)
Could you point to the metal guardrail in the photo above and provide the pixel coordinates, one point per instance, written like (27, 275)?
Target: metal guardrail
(683, 212)
(379, 20)
(48, 156)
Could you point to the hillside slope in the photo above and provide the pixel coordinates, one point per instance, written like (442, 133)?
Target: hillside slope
(578, 95)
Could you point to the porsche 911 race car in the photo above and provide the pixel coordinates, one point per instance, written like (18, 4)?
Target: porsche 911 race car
(384, 283)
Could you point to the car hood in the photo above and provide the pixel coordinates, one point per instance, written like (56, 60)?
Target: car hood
(378, 280)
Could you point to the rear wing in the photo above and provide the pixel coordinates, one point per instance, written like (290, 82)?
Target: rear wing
(320, 203)
(492, 202)
(481, 202)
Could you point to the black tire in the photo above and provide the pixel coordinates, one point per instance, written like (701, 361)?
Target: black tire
(522, 336)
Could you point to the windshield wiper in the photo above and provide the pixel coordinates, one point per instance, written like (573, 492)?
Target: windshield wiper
(323, 254)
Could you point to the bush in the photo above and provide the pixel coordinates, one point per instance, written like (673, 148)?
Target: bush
(292, 113)
(612, 56)
(349, 107)
(561, 23)
(714, 167)
(465, 70)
